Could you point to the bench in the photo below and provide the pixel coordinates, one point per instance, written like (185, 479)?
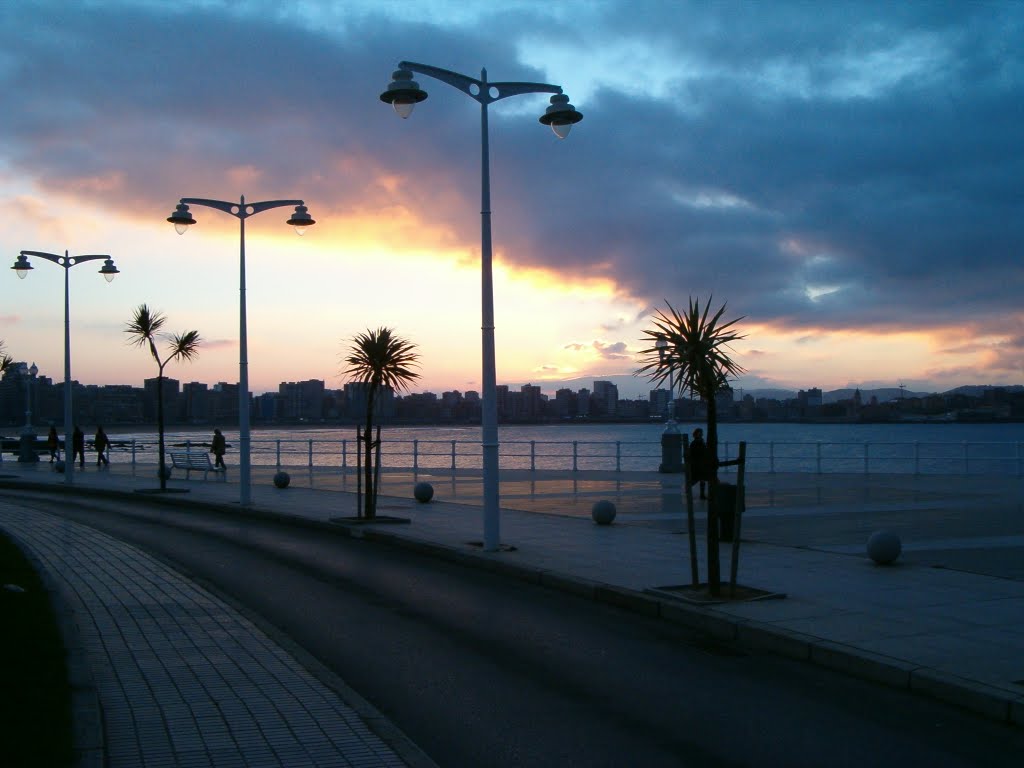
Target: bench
(193, 461)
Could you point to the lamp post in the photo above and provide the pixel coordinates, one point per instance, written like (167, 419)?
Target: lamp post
(182, 219)
(27, 445)
(671, 440)
(670, 412)
(22, 266)
(403, 94)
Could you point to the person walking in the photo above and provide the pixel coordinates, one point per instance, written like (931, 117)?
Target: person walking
(53, 444)
(78, 447)
(218, 447)
(101, 443)
(697, 458)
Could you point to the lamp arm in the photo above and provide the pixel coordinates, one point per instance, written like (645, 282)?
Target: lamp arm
(64, 261)
(242, 211)
(462, 82)
(517, 89)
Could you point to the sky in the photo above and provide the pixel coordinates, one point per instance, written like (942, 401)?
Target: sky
(847, 177)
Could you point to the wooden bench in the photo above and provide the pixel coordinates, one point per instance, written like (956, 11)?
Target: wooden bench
(193, 461)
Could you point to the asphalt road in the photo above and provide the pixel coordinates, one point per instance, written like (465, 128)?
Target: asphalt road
(482, 670)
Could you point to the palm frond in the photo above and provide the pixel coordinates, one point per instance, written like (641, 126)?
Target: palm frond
(144, 329)
(697, 355)
(185, 346)
(380, 358)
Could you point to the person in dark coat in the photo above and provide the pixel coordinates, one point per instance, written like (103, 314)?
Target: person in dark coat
(217, 447)
(78, 447)
(697, 458)
(53, 444)
(101, 442)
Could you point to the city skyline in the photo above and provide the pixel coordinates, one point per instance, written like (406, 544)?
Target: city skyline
(819, 173)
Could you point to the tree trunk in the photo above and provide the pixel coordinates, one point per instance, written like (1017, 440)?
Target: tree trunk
(714, 568)
(160, 426)
(370, 503)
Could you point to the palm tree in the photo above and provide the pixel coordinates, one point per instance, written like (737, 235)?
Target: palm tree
(144, 330)
(6, 361)
(378, 359)
(698, 358)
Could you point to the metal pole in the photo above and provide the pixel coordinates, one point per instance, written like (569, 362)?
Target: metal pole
(244, 473)
(489, 416)
(69, 451)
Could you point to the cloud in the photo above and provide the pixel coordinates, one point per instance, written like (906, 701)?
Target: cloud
(615, 351)
(854, 165)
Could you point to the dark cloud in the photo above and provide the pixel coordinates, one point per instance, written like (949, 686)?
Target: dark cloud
(842, 165)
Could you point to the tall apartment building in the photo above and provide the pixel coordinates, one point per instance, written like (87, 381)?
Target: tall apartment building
(605, 400)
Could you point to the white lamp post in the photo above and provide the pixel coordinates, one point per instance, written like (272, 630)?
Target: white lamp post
(403, 94)
(22, 266)
(182, 219)
(670, 417)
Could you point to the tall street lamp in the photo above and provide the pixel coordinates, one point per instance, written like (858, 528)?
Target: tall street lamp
(182, 219)
(22, 266)
(403, 94)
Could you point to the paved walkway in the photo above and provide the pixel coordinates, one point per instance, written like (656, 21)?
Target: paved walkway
(946, 620)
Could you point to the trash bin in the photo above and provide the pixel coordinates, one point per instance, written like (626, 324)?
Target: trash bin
(725, 503)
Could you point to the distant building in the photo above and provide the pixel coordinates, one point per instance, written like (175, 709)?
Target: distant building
(605, 400)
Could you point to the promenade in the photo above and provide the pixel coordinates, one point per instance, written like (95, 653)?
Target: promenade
(946, 620)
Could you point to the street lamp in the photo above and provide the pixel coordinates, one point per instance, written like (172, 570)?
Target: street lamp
(670, 421)
(27, 445)
(182, 219)
(404, 94)
(22, 266)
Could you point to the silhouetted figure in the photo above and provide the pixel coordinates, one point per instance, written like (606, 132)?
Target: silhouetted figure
(218, 448)
(697, 458)
(101, 442)
(78, 447)
(53, 444)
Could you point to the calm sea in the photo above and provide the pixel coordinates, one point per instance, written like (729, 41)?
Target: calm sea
(925, 448)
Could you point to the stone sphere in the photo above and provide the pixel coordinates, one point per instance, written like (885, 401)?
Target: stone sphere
(58, 466)
(603, 512)
(884, 547)
(166, 472)
(281, 479)
(423, 492)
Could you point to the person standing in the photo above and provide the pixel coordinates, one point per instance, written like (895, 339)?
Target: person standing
(218, 447)
(101, 443)
(78, 447)
(697, 458)
(53, 443)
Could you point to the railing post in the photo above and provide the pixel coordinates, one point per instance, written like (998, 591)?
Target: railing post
(818, 455)
(133, 453)
(771, 457)
(866, 471)
(278, 457)
(453, 456)
(917, 458)
(310, 454)
(344, 454)
(533, 455)
(415, 455)
(618, 456)
(575, 456)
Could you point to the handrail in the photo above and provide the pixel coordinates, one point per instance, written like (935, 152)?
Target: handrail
(419, 455)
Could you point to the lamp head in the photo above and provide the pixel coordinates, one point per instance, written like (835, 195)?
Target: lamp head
(403, 93)
(22, 266)
(108, 270)
(181, 219)
(301, 219)
(561, 115)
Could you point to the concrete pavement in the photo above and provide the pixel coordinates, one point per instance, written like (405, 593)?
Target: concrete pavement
(947, 620)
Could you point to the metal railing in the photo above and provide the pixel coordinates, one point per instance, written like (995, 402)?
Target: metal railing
(917, 458)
